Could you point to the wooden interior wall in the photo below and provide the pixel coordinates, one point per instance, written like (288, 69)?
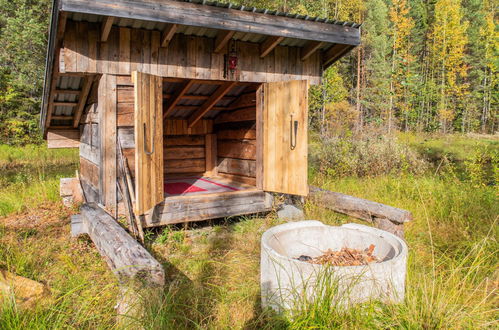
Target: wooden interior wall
(183, 147)
(236, 142)
(192, 57)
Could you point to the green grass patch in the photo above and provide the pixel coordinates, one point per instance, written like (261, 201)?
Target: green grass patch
(30, 175)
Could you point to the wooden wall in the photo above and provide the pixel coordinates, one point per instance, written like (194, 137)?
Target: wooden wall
(236, 142)
(185, 57)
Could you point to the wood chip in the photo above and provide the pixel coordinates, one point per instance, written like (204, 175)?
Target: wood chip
(344, 257)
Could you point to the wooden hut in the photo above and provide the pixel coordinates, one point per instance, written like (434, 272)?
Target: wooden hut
(185, 110)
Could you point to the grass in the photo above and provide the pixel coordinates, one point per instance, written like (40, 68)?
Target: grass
(213, 267)
(30, 175)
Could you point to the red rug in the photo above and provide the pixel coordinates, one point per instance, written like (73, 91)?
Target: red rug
(195, 185)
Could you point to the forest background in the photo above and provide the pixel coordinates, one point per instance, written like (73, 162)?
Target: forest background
(424, 66)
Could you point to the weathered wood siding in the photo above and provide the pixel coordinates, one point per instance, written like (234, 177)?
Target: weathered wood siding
(192, 57)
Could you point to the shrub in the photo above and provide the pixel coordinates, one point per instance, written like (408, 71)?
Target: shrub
(364, 154)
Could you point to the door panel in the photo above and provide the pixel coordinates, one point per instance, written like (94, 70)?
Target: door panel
(285, 143)
(148, 120)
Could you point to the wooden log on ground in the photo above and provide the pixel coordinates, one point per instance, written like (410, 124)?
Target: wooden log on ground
(129, 260)
(385, 217)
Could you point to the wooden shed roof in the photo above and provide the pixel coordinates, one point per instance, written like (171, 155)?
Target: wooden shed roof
(200, 18)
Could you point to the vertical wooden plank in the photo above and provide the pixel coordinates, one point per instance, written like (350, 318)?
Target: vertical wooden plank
(82, 46)
(211, 154)
(155, 41)
(102, 55)
(114, 51)
(217, 63)
(148, 141)
(191, 57)
(163, 61)
(107, 114)
(135, 52)
(146, 51)
(124, 61)
(93, 37)
(284, 162)
(70, 49)
(259, 136)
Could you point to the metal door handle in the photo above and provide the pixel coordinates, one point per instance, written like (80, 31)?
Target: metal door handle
(149, 153)
(293, 132)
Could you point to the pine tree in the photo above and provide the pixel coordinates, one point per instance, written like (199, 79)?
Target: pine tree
(402, 61)
(449, 41)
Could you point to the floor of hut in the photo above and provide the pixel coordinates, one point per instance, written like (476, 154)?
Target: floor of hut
(199, 185)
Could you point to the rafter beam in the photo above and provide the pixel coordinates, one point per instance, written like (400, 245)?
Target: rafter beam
(269, 44)
(65, 104)
(82, 100)
(168, 34)
(310, 48)
(210, 103)
(106, 26)
(178, 95)
(334, 53)
(223, 38)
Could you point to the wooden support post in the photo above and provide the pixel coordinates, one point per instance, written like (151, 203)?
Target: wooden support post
(168, 34)
(269, 44)
(107, 120)
(211, 154)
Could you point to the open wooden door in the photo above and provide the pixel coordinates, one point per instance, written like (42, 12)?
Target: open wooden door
(148, 114)
(285, 145)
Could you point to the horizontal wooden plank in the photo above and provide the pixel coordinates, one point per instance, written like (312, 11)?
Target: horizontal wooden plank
(246, 114)
(237, 134)
(184, 166)
(183, 152)
(239, 178)
(125, 94)
(212, 206)
(180, 127)
(237, 149)
(237, 166)
(69, 138)
(217, 18)
(125, 114)
(192, 140)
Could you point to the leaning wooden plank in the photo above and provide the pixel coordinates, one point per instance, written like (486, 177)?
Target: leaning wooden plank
(125, 256)
(358, 207)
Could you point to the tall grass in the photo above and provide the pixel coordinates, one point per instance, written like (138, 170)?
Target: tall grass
(30, 175)
(213, 267)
